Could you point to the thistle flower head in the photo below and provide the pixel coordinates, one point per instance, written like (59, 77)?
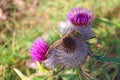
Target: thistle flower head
(72, 56)
(80, 17)
(69, 51)
(39, 49)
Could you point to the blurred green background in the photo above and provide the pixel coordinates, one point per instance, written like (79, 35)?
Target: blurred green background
(21, 21)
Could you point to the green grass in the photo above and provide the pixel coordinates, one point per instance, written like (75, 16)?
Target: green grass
(22, 26)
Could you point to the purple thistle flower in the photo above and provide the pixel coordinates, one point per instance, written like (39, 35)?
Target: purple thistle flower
(39, 49)
(73, 52)
(70, 51)
(80, 17)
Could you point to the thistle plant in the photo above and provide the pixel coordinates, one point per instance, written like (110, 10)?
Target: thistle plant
(72, 49)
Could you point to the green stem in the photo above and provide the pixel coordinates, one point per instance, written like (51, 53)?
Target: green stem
(101, 58)
(107, 59)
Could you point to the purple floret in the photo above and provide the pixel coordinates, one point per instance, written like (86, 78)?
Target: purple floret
(80, 17)
(39, 49)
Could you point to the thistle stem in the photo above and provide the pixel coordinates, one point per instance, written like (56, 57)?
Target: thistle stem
(101, 58)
